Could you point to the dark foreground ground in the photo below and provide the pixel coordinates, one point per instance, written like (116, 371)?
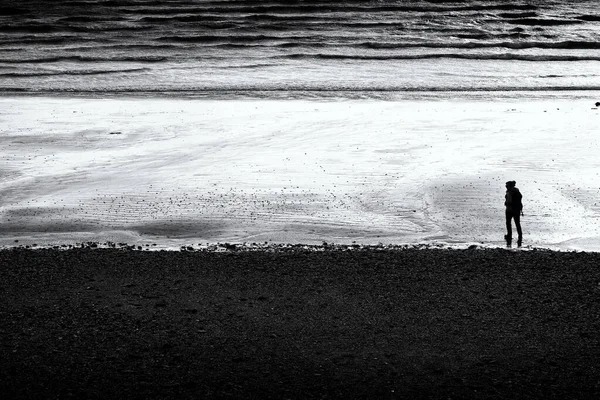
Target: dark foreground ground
(371, 323)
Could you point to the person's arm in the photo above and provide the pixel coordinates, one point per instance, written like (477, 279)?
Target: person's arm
(521, 203)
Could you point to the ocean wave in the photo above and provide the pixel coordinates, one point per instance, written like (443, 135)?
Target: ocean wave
(12, 11)
(96, 4)
(543, 21)
(248, 66)
(325, 7)
(290, 92)
(30, 28)
(46, 40)
(514, 45)
(230, 38)
(589, 18)
(199, 21)
(129, 46)
(265, 17)
(223, 20)
(284, 45)
(567, 44)
(519, 15)
(85, 18)
(68, 73)
(182, 18)
(62, 28)
(503, 56)
(83, 59)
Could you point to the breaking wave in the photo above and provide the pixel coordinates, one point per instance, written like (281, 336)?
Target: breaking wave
(505, 56)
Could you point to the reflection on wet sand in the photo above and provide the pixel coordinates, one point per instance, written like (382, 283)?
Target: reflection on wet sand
(297, 171)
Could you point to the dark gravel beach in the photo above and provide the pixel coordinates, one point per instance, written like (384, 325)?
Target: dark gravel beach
(299, 324)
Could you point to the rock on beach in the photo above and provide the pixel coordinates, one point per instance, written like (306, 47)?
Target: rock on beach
(299, 323)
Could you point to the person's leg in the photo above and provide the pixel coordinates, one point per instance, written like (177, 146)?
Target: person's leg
(508, 236)
(517, 218)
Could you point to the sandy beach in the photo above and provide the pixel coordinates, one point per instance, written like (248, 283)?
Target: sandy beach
(175, 172)
(300, 324)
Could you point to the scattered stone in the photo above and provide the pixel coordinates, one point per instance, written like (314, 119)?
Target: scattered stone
(373, 281)
(160, 303)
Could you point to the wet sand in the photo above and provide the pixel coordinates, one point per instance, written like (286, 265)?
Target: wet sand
(187, 171)
(297, 323)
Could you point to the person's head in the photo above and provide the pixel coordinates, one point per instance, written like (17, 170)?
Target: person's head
(510, 184)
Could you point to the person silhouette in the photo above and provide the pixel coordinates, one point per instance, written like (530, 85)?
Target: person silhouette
(514, 210)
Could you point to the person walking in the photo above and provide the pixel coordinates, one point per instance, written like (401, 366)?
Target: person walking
(514, 210)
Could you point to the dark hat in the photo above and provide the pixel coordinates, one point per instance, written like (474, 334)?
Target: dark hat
(511, 183)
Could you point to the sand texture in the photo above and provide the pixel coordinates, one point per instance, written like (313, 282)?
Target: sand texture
(187, 171)
(298, 324)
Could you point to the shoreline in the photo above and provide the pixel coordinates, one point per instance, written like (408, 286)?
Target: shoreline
(300, 324)
(281, 247)
(393, 95)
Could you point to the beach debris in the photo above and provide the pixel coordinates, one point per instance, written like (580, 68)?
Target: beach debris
(598, 104)
(115, 133)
